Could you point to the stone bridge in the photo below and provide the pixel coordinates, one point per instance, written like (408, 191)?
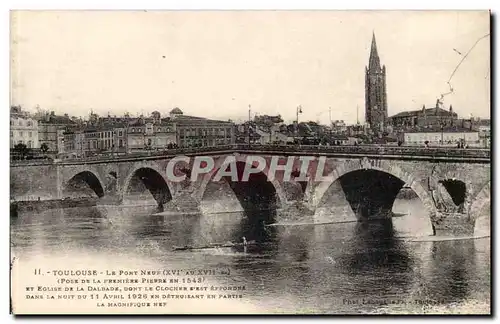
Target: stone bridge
(369, 178)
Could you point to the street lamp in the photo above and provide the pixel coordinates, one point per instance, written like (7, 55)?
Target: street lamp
(442, 134)
(249, 120)
(296, 130)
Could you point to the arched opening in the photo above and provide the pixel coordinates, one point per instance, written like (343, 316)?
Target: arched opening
(257, 199)
(370, 193)
(84, 184)
(456, 189)
(147, 184)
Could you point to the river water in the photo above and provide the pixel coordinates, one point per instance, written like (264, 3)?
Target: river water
(345, 268)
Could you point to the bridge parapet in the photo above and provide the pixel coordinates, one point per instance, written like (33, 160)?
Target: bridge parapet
(438, 153)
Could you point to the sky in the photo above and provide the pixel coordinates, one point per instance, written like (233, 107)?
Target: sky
(216, 63)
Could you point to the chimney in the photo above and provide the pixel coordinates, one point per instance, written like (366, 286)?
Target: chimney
(451, 109)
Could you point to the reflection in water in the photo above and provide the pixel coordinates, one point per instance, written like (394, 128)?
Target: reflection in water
(373, 246)
(335, 268)
(453, 264)
(253, 226)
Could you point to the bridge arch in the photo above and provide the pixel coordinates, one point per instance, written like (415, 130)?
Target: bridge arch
(457, 184)
(153, 178)
(88, 177)
(384, 166)
(239, 159)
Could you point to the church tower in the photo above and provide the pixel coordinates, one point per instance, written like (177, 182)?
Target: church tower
(375, 91)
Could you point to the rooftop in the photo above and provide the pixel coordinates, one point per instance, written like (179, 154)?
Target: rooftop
(54, 119)
(427, 111)
(191, 120)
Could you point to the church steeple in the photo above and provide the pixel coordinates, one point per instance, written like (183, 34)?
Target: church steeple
(374, 63)
(375, 91)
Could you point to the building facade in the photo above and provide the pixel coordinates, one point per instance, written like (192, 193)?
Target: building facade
(375, 91)
(483, 126)
(120, 139)
(445, 137)
(141, 135)
(51, 129)
(90, 144)
(201, 132)
(23, 129)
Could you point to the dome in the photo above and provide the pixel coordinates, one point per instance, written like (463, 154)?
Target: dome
(176, 111)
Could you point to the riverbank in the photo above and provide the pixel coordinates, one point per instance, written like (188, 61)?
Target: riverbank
(37, 205)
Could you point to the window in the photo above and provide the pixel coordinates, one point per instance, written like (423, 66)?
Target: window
(30, 123)
(20, 123)
(11, 134)
(132, 130)
(11, 122)
(21, 134)
(29, 134)
(120, 133)
(120, 143)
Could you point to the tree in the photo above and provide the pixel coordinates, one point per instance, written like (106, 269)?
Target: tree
(267, 122)
(44, 147)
